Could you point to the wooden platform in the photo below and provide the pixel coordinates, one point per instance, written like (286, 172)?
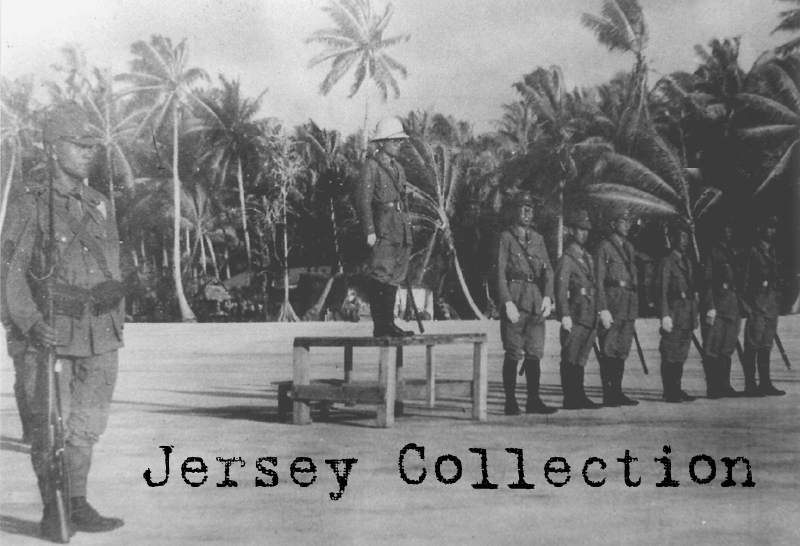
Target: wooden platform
(391, 386)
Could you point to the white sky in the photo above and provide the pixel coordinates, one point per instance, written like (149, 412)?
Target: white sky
(462, 58)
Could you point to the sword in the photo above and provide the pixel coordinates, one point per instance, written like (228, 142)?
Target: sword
(783, 353)
(639, 350)
(698, 346)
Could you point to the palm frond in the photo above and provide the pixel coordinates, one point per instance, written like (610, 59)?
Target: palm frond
(639, 202)
(789, 159)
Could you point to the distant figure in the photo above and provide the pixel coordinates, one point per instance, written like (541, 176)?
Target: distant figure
(576, 305)
(618, 301)
(382, 207)
(525, 291)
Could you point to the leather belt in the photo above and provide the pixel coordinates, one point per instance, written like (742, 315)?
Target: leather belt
(530, 277)
(689, 296)
(586, 291)
(614, 283)
(728, 286)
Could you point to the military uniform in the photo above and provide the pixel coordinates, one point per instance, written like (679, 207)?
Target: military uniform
(617, 292)
(721, 293)
(525, 277)
(678, 301)
(761, 294)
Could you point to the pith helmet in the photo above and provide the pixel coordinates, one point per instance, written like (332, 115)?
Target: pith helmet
(389, 129)
(523, 198)
(579, 219)
(69, 121)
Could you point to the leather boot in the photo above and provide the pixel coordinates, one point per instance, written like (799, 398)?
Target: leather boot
(685, 397)
(580, 394)
(711, 367)
(510, 386)
(749, 368)
(667, 380)
(765, 382)
(390, 296)
(50, 526)
(85, 518)
(568, 386)
(725, 378)
(533, 373)
(620, 371)
(606, 373)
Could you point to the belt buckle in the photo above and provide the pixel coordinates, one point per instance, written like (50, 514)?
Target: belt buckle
(397, 205)
(683, 295)
(583, 291)
(623, 284)
(725, 285)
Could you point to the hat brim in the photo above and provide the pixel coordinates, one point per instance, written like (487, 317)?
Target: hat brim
(395, 136)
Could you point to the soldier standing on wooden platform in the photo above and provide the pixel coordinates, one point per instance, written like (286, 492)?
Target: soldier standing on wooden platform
(382, 207)
(721, 304)
(678, 308)
(576, 306)
(761, 294)
(618, 301)
(525, 290)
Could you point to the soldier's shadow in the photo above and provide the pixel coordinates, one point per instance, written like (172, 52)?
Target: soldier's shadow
(17, 526)
(13, 444)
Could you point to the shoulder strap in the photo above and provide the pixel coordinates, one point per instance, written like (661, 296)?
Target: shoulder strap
(524, 251)
(391, 177)
(91, 245)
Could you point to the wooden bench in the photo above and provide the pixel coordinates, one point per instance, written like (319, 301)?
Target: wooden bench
(390, 389)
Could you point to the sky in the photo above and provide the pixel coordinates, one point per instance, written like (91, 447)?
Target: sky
(462, 58)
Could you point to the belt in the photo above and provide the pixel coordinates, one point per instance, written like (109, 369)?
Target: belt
(586, 291)
(728, 286)
(614, 283)
(530, 277)
(396, 205)
(690, 296)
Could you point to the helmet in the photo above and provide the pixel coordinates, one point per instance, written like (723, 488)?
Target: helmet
(579, 219)
(69, 121)
(389, 129)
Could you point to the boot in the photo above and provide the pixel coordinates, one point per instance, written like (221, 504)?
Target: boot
(50, 526)
(668, 381)
(580, 394)
(533, 373)
(568, 386)
(85, 518)
(749, 368)
(607, 378)
(711, 367)
(685, 397)
(510, 386)
(725, 378)
(381, 302)
(390, 295)
(766, 387)
(620, 371)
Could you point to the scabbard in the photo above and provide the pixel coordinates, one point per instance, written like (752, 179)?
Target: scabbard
(783, 352)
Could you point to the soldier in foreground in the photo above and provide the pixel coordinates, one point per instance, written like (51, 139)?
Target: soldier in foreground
(525, 291)
(577, 309)
(618, 302)
(721, 303)
(87, 306)
(382, 207)
(678, 309)
(761, 294)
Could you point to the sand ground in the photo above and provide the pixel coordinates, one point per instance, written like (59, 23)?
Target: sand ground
(208, 391)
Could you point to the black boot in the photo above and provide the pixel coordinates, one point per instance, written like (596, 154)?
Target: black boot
(725, 378)
(668, 381)
(51, 526)
(749, 368)
(685, 397)
(390, 296)
(711, 367)
(510, 386)
(580, 394)
(85, 518)
(607, 379)
(568, 386)
(533, 373)
(765, 382)
(619, 372)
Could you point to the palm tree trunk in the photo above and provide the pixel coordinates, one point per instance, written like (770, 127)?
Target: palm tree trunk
(202, 251)
(227, 264)
(186, 312)
(428, 254)
(365, 136)
(560, 231)
(7, 189)
(240, 179)
(287, 312)
(213, 256)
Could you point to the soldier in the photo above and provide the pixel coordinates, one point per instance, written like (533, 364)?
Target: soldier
(678, 309)
(577, 308)
(525, 290)
(760, 292)
(382, 207)
(618, 301)
(721, 303)
(88, 308)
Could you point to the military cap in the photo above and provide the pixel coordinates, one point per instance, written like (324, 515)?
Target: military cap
(579, 219)
(679, 226)
(69, 121)
(522, 199)
(767, 220)
(621, 213)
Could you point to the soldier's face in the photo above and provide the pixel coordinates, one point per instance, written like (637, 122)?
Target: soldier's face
(392, 147)
(622, 226)
(727, 234)
(525, 215)
(683, 241)
(580, 235)
(74, 159)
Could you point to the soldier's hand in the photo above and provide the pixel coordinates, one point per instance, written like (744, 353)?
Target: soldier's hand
(666, 324)
(710, 316)
(372, 239)
(566, 323)
(43, 333)
(547, 306)
(511, 312)
(605, 318)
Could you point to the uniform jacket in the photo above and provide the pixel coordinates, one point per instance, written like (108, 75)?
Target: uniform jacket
(721, 282)
(517, 281)
(381, 200)
(677, 296)
(760, 276)
(23, 292)
(616, 265)
(575, 287)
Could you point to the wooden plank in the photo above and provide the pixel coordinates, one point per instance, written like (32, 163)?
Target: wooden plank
(399, 408)
(301, 414)
(480, 385)
(417, 389)
(348, 393)
(387, 378)
(367, 341)
(348, 362)
(430, 376)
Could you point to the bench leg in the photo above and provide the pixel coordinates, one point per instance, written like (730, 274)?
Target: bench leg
(480, 386)
(388, 378)
(348, 363)
(300, 364)
(430, 376)
(399, 407)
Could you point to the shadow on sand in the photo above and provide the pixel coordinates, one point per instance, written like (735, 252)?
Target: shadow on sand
(16, 526)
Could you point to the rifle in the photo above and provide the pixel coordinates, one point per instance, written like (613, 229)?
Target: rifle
(698, 346)
(414, 306)
(783, 353)
(56, 478)
(641, 353)
(739, 352)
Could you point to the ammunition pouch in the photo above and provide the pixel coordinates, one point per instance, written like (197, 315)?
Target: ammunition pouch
(106, 296)
(74, 301)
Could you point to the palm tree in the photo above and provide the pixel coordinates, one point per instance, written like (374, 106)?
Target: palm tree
(232, 138)
(159, 73)
(790, 22)
(358, 41)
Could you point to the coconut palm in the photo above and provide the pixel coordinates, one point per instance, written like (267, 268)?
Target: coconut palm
(357, 40)
(232, 138)
(790, 22)
(159, 74)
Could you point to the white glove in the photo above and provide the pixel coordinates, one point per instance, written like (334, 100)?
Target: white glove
(566, 323)
(372, 239)
(666, 324)
(547, 306)
(511, 312)
(710, 316)
(605, 318)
